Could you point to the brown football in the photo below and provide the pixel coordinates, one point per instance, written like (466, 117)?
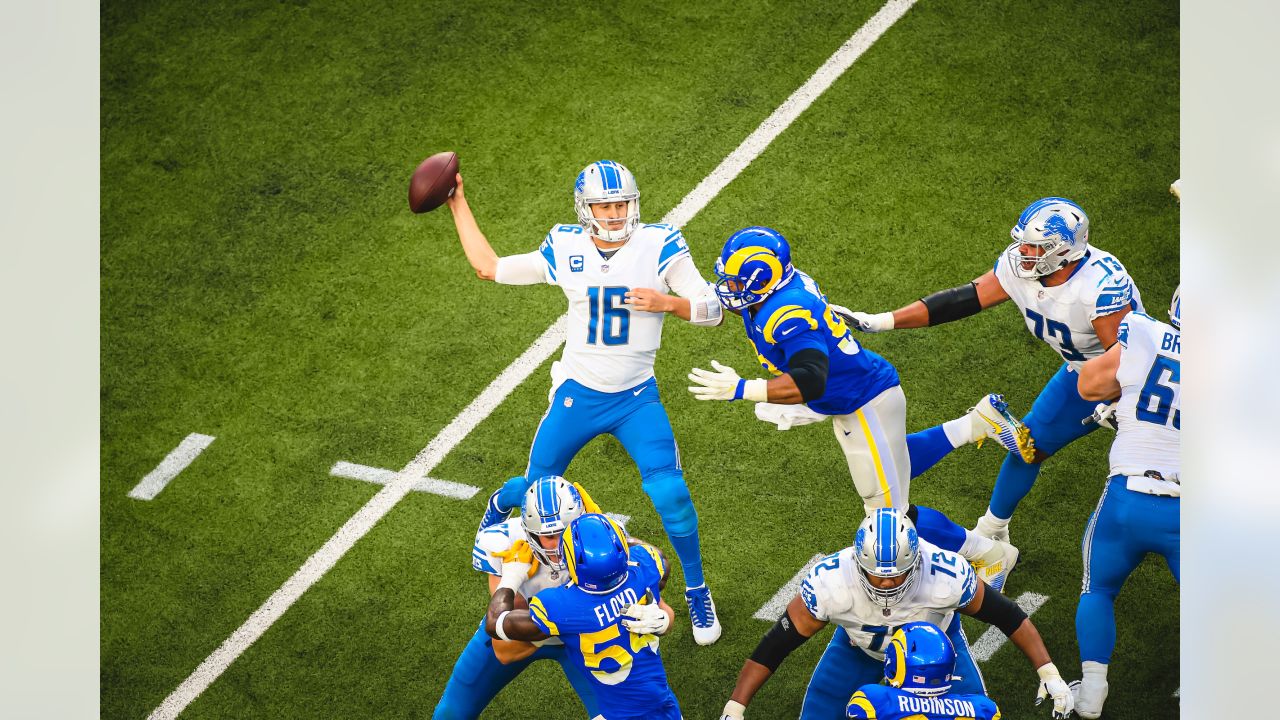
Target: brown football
(433, 182)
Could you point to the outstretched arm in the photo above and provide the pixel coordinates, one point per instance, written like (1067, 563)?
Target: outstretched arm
(940, 307)
(474, 244)
(792, 629)
(696, 301)
(506, 623)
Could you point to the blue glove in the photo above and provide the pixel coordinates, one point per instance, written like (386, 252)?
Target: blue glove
(511, 495)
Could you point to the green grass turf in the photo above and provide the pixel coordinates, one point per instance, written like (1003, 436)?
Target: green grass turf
(263, 282)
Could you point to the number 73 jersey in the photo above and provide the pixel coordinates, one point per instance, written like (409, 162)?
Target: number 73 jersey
(1063, 315)
(833, 593)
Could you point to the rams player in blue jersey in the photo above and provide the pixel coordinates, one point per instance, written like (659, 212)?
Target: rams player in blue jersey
(1070, 295)
(816, 361)
(609, 618)
(917, 667)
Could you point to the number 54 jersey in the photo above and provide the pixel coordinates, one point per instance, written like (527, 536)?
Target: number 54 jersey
(1063, 315)
(611, 347)
(833, 593)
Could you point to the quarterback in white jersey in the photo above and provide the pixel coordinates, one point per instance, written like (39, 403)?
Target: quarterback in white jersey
(887, 579)
(615, 272)
(1070, 295)
(1139, 510)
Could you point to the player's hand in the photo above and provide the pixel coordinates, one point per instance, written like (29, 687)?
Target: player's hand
(511, 496)
(869, 323)
(723, 384)
(455, 196)
(649, 300)
(646, 619)
(1104, 414)
(1053, 686)
(518, 561)
(588, 504)
(733, 710)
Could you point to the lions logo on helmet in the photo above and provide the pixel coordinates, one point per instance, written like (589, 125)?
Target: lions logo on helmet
(606, 181)
(1057, 227)
(1175, 308)
(920, 659)
(550, 504)
(886, 546)
(755, 261)
(595, 552)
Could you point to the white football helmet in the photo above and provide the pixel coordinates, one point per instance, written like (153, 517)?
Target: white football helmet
(1056, 225)
(606, 181)
(550, 504)
(887, 546)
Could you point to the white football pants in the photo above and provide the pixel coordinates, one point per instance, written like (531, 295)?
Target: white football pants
(874, 440)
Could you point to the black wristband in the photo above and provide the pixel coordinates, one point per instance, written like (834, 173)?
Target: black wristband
(808, 368)
(1000, 611)
(778, 643)
(952, 304)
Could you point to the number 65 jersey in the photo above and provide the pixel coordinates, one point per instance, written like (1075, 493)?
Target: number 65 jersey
(609, 346)
(1149, 413)
(833, 593)
(1063, 315)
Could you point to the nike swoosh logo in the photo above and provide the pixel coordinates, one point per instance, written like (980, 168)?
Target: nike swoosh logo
(637, 392)
(847, 433)
(784, 332)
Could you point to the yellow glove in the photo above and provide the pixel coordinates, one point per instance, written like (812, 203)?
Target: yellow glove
(587, 503)
(520, 554)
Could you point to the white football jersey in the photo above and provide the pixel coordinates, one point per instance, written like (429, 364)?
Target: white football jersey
(610, 347)
(1063, 315)
(1149, 412)
(499, 538)
(833, 593)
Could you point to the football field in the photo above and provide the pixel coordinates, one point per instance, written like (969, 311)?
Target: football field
(265, 285)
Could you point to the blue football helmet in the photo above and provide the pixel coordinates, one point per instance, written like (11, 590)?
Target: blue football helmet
(887, 546)
(1055, 225)
(595, 551)
(755, 261)
(1175, 308)
(606, 181)
(920, 659)
(550, 504)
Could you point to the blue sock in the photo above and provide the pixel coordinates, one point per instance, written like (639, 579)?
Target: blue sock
(926, 448)
(1096, 627)
(688, 549)
(939, 529)
(1012, 484)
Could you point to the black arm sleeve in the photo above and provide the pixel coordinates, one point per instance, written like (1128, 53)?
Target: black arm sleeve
(1000, 611)
(953, 304)
(778, 643)
(809, 371)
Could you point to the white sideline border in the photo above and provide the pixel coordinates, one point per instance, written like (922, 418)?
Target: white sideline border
(175, 462)
(359, 524)
(992, 640)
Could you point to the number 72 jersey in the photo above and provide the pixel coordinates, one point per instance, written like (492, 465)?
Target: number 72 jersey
(1063, 315)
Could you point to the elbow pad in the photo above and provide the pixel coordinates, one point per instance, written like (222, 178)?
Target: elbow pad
(952, 304)
(705, 309)
(778, 643)
(1000, 611)
(808, 369)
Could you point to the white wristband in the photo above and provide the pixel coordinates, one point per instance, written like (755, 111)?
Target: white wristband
(1048, 671)
(733, 709)
(498, 625)
(513, 580)
(756, 390)
(885, 320)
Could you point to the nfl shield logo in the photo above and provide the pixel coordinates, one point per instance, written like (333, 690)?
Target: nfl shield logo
(604, 268)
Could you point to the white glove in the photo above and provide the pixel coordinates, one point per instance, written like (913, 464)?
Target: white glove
(1052, 685)
(724, 384)
(732, 711)
(647, 619)
(868, 323)
(1104, 414)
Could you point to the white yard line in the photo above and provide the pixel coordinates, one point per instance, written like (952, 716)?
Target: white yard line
(992, 640)
(542, 349)
(382, 476)
(773, 609)
(172, 464)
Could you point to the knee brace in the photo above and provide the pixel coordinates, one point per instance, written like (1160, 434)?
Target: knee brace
(670, 497)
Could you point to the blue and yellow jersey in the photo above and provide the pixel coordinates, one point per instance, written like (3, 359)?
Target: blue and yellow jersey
(796, 317)
(882, 702)
(624, 668)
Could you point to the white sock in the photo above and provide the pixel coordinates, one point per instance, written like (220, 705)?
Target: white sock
(1095, 671)
(959, 431)
(975, 545)
(998, 523)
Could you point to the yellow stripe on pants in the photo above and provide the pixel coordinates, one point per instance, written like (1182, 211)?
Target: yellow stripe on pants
(875, 457)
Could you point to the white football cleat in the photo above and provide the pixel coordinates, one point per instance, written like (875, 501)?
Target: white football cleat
(702, 615)
(994, 566)
(991, 419)
(1089, 694)
(989, 527)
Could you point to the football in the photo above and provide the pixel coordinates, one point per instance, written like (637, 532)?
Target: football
(433, 182)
